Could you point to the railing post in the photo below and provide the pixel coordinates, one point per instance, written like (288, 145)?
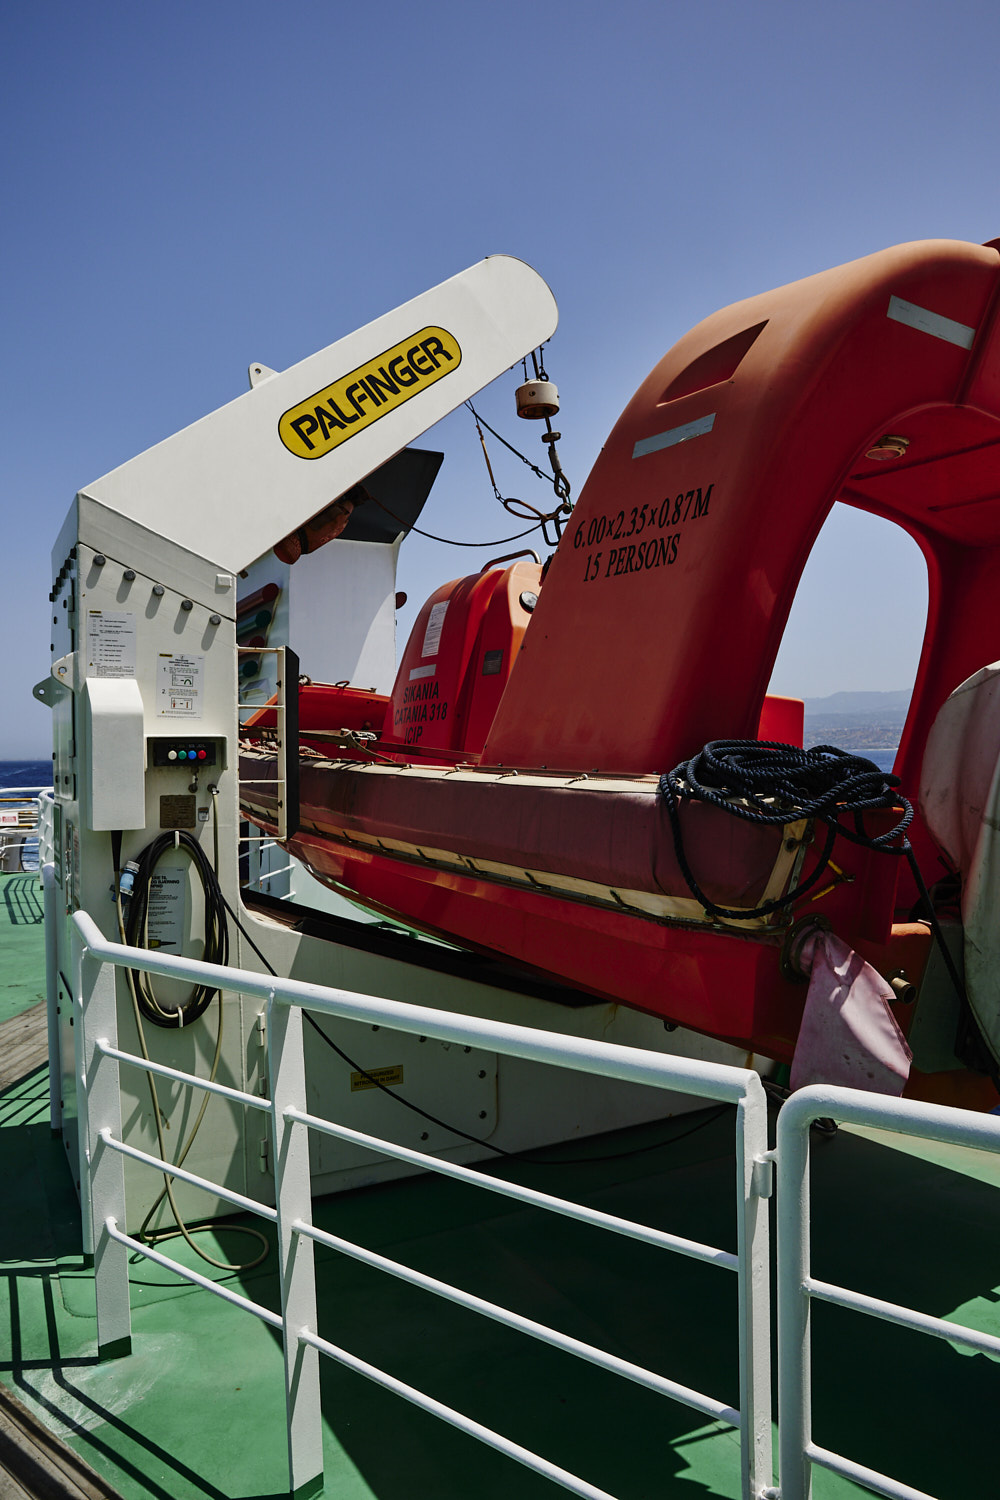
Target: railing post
(754, 1188)
(102, 1191)
(298, 1280)
(794, 1304)
(51, 919)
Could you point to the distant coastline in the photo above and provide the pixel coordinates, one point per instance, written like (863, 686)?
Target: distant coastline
(851, 737)
(859, 722)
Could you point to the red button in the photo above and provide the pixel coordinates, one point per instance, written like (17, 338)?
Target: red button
(202, 754)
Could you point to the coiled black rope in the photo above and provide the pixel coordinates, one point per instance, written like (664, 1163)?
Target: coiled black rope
(762, 781)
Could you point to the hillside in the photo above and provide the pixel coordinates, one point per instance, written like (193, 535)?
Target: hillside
(856, 720)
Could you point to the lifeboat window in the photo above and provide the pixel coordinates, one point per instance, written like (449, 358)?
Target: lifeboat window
(855, 629)
(714, 366)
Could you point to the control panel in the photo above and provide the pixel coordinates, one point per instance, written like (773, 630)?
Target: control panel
(187, 751)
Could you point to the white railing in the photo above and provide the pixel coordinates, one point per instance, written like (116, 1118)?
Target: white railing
(798, 1289)
(258, 848)
(285, 705)
(20, 811)
(46, 827)
(102, 1163)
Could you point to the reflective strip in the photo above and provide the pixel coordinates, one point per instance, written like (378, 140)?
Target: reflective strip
(930, 322)
(674, 435)
(422, 672)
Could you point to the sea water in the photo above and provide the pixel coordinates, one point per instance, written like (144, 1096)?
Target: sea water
(25, 773)
(881, 758)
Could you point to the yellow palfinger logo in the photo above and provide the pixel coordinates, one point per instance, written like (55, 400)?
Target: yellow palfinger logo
(323, 421)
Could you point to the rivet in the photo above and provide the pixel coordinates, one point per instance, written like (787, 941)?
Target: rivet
(187, 604)
(158, 590)
(99, 560)
(215, 619)
(129, 575)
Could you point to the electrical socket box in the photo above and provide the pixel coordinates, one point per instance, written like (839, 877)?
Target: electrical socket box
(115, 781)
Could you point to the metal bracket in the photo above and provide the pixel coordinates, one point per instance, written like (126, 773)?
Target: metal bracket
(762, 1178)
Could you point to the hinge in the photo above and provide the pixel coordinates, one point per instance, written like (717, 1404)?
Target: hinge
(261, 1028)
(263, 1154)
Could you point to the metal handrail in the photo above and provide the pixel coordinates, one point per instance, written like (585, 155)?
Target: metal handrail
(286, 999)
(521, 1194)
(102, 1165)
(797, 1289)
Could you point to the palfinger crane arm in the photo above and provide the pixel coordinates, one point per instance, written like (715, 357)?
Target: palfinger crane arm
(234, 483)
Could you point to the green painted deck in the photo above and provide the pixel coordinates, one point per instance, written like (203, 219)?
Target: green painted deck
(22, 957)
(197, 1410)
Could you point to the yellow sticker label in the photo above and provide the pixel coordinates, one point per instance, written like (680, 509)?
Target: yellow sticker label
(375, 1076)
(322, 422)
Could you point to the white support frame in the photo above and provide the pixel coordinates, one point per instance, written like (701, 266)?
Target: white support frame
(103, 1188)
(797, 1288)
(280, 653)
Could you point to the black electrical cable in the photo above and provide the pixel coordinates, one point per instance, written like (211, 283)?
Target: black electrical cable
(450, 541)
(709, 1117)
(216, 950)
(476, 1140)
(480, 1141)
(144, 1002)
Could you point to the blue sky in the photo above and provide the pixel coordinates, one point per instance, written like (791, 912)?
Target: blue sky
(187, 188)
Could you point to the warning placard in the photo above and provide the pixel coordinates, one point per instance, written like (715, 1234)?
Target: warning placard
(181, 690)
(110, 643)
(166, 912)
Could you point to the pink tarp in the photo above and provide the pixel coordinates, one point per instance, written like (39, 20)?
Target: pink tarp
(848, 1035)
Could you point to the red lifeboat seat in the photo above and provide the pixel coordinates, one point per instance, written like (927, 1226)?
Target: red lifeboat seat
(458, 659)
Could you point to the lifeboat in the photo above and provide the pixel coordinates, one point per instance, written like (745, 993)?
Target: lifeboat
(506, 795)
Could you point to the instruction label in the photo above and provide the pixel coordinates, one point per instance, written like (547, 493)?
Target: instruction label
(181, 686)
(110, 643)
(435, 625)
(166, 912)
